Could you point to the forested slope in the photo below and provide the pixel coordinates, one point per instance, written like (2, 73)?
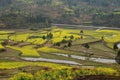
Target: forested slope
(40, 13)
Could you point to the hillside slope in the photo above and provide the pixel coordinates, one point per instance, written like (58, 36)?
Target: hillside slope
(57, 11)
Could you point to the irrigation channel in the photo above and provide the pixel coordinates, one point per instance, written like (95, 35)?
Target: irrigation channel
(100, 60)
(52, 60)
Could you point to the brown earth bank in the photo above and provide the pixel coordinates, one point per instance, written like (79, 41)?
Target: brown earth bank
(97, 77)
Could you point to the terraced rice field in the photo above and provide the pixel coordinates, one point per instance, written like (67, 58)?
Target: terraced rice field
(23, 47)
(13, 65)
(26, 51)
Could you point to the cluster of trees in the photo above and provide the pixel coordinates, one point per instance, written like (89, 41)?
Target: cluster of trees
(68, 43)
(48, 36)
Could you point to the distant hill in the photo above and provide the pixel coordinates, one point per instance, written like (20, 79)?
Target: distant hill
(43, 12)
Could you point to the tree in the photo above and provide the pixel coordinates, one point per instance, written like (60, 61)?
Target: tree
(71, 37)
(65, 46)
(115, 47)
(81, 37)
(86, 46)
(43, 37)
(57, 44)
(64, 41)
(69, 44)
(102, 37)
(50, 35)
(65, 36)
(81, 31)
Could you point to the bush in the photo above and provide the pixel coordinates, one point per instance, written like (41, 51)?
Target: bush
(86, 46)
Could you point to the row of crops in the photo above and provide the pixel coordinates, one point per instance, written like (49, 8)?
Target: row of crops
(13, 65)
(64, 74)
(27, 51)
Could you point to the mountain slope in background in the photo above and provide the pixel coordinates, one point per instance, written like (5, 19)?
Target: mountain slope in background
(41, 12)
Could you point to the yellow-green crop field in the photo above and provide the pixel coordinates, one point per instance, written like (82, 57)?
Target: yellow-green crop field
(115, 37)
(59, 34)
(20, 37)
(6, 32)
(53, 50)
(3, 36)
(1, 47)
(12, 65)
(36, 41)
(26, 51)
(110, 36)
(38, 44)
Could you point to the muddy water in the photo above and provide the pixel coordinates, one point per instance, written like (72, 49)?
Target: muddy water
(52, 60)
(101, 60)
